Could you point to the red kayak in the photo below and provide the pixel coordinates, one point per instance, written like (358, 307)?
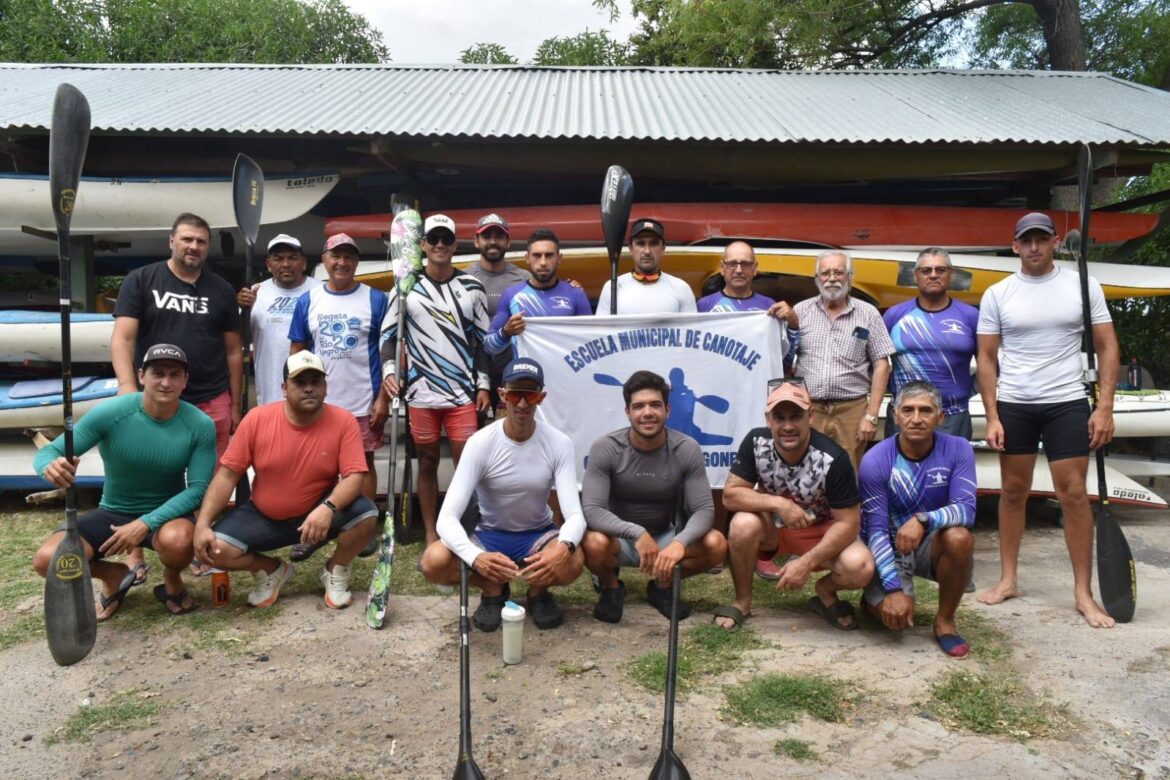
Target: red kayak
(850, 226)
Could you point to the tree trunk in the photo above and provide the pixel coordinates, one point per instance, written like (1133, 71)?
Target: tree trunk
(1063, 32)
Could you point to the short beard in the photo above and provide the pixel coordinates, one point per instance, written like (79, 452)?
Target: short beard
(834, 296)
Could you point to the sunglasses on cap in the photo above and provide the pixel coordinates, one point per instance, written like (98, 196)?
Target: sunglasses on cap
(440, 237)
(791, 380)
(533, 397)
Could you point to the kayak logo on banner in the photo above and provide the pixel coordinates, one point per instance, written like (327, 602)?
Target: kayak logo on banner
(185, 304)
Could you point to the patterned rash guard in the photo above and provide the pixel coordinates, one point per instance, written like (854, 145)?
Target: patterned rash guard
(560, 300)
(823, 480)
(936, 347)
(894, 488)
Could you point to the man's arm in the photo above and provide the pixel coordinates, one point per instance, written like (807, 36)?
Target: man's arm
(199, 473)
(122, 353)
(565, 482)
(987, 375)
(235, 365)
(697, 494)
(214, 502)
(844, 530)
(876, 521)
(960, 507)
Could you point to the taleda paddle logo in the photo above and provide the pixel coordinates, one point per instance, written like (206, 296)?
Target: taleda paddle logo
(69, 567)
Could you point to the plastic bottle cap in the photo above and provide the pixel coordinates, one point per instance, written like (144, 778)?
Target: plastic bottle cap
(512, 611)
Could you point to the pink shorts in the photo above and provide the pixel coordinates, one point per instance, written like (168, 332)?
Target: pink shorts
(371, 440)
(219, 409)
(796, 541)
(460, 422)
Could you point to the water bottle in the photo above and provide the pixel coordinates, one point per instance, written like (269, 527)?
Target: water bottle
(513, 616)
(1135, 375)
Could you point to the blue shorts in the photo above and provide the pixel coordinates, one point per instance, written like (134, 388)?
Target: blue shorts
(95, 529)
(244, 527)
(517, 545)
(628, 554)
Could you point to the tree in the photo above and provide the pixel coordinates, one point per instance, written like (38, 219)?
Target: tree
(586, 48)
(487, 54)
(266, 31)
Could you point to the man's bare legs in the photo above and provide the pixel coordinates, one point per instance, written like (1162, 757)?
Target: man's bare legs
(1068, 477)
(952, 552)
(428, 483)
(1015, 472)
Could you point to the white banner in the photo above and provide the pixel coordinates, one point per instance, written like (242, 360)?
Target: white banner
(718, 367)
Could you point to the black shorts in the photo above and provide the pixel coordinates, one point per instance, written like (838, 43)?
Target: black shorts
(244, 527)
(1063, 427)
(95, 529)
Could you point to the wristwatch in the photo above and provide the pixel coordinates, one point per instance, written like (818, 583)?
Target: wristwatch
(872, 419)
(572, 547)
(330, 504)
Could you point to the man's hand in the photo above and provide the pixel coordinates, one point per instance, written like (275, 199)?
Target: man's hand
(515, 325)
(61, 472)
(1100, 428)
(994, 434)
(866, 430)
(896, 611)
(245, 297)
(793, 514)
(574, 283)
(390, 384)
(647, 553)
(237, 416)
(667, 558)
(793, 575)
(379, 412)
(782, 311)
(910, 536)
(206, 543)
(483, 401)
(315, 527)
(495, 567)
(126, 537)
(542, 567)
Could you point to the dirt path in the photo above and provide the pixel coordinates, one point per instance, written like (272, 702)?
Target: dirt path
(318, 694)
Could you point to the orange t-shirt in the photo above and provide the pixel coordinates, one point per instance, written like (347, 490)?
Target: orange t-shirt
(294, 465)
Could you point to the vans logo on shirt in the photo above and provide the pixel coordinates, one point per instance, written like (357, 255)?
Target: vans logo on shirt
(185, 304)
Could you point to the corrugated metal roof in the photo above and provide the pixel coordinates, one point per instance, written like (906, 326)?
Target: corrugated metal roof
(652, 104)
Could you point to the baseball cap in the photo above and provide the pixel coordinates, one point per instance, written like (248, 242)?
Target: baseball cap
(439, 221)
(1035, 221)
(492, 221)
(300, 362)
(340, 239)
(286, 239)
(790, 392)
(653, 225)
(164, 352)
(524, 368)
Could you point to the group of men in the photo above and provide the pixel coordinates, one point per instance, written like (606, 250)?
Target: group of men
(803, 487)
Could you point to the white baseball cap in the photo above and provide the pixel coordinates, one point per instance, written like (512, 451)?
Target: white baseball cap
(286, 239)
(439, 221)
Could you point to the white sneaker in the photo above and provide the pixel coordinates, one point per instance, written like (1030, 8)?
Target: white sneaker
(268, 586)
(336, 582)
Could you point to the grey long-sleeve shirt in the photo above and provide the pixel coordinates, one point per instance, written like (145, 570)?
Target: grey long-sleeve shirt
(626, 491)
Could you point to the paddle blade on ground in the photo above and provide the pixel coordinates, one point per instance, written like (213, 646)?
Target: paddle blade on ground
(669, 767)
(466, 769)
(70, 615)
(1116, 574)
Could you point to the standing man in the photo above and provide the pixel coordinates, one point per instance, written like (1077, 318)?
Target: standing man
(158, 453)
(309, 467)
(542, 296)
(648, 289)
(794, 492)
(446, 365)
(272, 303)
(509, 467)
(1036, 393)
(636, 481)
(841, 357)
(917, 511)
(934, 341)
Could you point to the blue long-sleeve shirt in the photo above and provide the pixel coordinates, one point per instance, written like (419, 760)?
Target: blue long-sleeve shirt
(560, 300)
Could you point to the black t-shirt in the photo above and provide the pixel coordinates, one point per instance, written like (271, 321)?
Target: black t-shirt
(193, 317)
(822, 480)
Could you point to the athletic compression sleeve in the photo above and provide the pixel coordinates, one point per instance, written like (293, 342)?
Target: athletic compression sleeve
(467, 475)
(595, 489)
(697, 490)
(876, 523)
(199, 471)
(960, 511)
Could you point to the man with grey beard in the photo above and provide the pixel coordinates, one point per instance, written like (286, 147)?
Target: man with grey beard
(842, 357)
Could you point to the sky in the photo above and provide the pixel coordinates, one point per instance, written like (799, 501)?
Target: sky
(420, 31)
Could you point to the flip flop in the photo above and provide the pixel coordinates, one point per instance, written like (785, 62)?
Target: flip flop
(200, 569)
(734, 614)
(834, 612)
(140, 572)
(166, 599)
(115, 598)
(953, 645)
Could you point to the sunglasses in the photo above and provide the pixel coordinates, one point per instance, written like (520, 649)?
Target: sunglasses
(533, 397)
(932, 270)
(440, 237)
(792, 380)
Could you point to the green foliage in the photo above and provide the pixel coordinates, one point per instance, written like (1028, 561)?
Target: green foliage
(994, 703)
(126, 710)
(776, 699)
(487, 54)
(795, 748)
(257, 31)
(707, 650)
(587, 48)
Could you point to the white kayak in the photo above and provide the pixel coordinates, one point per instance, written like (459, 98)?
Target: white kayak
(36, 336)
(1122, 489)
(36, 403)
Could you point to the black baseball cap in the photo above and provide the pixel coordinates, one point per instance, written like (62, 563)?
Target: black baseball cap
(653, 225)
(164, 352)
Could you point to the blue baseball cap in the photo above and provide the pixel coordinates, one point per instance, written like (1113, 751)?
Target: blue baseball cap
(524, 368)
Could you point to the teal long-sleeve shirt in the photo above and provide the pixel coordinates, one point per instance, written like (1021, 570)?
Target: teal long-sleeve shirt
(156, 470)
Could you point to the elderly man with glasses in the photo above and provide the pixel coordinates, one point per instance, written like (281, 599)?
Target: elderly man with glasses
(446, 365)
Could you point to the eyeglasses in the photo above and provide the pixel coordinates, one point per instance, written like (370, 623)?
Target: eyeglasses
(738, 263)
(833, 272)
(933, 270)
(533, 397)
(440, 237)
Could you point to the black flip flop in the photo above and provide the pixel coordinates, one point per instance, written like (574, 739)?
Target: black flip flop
(141, 571)
(117, 596)
(166, 599)
(732, 613)
(834, 612)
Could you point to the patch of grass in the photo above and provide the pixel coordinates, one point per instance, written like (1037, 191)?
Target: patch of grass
(126, 710)
(22, 534)
(571, 669)
(775, 699)
(706, 650)
(995, 703)
(797, 749)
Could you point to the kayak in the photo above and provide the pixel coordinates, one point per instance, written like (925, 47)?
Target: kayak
(852, 226)
(37, 403)
(1122, 489)
(36, 336)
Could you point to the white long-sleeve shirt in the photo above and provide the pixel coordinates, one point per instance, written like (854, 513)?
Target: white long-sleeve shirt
(511, 480)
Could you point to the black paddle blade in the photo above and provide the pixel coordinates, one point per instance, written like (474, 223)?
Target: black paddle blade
(68, 140)
(247, 196)
(70, 615)
(617, 197)
(1116, 574)
(669, 767)
(466, 769)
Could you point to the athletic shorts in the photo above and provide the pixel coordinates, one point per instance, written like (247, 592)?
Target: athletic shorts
(460, 422)
(95, 529)
(1063, 427)
(916, 564)
(244, 527)
(628, 554)
(517, 545)
(796, 541)
(219, 409)
(957, 424)
(371, 439)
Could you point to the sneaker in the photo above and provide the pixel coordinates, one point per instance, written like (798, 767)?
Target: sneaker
(301, 552)
(610, 604)
(767, 570)
(661, 599)
(336, 582)
(268, 586)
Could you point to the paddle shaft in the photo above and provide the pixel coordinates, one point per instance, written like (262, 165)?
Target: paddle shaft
(465, 767)
(247, 203)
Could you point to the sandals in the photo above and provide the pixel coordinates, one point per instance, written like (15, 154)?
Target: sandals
(545, 611)
(140, 572)
(179, 604)
(953, 645)
(834, 613)
(732, 613)
(488, 615)
(115, 598)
